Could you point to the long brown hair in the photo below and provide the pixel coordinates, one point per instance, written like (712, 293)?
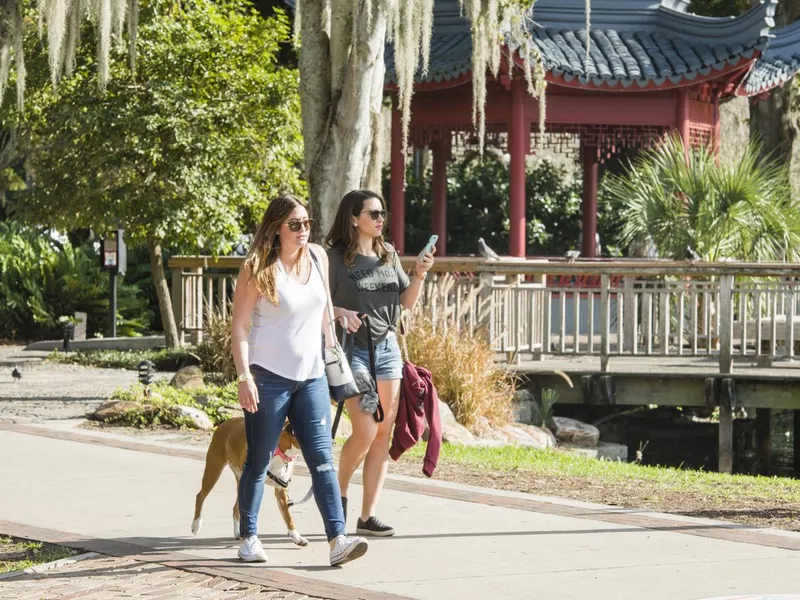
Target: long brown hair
(261, 262)
(344, 236)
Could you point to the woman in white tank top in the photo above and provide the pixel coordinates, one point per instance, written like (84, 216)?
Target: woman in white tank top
(278, 330)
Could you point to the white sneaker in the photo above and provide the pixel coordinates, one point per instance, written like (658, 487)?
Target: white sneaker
(346, 549)
(252, 551)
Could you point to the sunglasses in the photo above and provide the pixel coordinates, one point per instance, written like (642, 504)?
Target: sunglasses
(296, 225)
(375, 214)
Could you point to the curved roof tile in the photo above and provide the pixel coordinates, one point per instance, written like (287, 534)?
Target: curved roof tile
(640, 42)
(778, 64)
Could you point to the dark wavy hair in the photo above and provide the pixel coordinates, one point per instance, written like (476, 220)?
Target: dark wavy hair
(343, 236)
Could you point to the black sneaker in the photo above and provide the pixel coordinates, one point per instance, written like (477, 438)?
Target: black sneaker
(374, 526)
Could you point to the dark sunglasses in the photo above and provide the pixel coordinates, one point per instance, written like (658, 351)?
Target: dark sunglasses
(295, 225)
(375, 214)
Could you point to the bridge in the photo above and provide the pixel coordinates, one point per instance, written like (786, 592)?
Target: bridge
(626, 332)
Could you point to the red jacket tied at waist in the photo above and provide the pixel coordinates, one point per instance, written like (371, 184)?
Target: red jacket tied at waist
(418, 400)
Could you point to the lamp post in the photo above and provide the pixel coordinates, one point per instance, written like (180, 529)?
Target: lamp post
(114, 259)
(68, 334)
(146, 375)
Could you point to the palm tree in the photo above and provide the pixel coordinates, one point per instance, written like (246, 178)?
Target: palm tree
(742, 210)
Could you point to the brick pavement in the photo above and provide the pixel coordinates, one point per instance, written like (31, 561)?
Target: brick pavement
(109, 577)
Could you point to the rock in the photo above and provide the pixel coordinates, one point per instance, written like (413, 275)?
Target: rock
(114, 409)
(531, 436)
(231, 411)
(519, 434)
(571, 431)
(603, 451)
(525, 408)
(188, 378)
(453, 432)
(195, 417)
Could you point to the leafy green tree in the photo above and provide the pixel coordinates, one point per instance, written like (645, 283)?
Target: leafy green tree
(743, 210)
(183, 153)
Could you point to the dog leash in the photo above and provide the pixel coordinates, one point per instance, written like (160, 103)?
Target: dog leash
(378, 415)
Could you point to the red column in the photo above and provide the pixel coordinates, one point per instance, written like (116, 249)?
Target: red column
(397, 207)
(589, 204)
(439, 184)
(682, 119)
(716, 133)
(518, 145)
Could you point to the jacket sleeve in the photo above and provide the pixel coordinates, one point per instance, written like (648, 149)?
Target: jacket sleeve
(434, 427)
(402, 439)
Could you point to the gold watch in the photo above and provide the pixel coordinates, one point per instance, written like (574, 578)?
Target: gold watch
(246, 376)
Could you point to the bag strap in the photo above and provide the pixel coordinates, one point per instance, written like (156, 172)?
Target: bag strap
(328, 301)
(378, 415)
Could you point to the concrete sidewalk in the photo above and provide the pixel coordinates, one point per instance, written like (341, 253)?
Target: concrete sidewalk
(453, 542)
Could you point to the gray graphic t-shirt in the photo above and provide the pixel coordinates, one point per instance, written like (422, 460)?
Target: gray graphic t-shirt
(371, 288)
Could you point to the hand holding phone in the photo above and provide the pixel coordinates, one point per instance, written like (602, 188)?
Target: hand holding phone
(428, 247)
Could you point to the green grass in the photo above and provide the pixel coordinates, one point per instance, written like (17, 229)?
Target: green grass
(165, 359)
(18, 555)
(558, 464)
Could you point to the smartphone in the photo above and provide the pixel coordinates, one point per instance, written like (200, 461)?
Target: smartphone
(429, 246)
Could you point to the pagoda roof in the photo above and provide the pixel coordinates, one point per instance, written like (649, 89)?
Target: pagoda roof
(635, 44)
(779, 62)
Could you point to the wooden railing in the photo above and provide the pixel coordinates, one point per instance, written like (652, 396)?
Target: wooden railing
(611, 309)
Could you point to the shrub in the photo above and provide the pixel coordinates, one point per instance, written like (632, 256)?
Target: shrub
(156, 411)
(164, 359)
(216, 353)
(462, 364)
(43, 279)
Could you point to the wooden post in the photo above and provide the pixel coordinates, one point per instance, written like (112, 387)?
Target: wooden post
(439, 187)
(518, 145)
(725, 324)
(725, 438)
(486, 305)
(629, 314)
(178, 304)
(725, 367)
(763, 439)
(589, 204)
(796, 441)
(196, 314)
(397, 200)
(605, 322)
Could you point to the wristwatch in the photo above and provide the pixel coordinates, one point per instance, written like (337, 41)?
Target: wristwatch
(246, 376)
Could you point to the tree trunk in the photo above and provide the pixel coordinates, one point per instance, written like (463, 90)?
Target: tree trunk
(341, 85)
(162, 292)
(775, 121)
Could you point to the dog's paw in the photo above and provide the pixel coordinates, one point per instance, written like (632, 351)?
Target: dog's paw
(297, 538)
(237, 530)
(196, 525)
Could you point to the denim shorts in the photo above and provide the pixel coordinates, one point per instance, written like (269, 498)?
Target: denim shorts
(388, 363)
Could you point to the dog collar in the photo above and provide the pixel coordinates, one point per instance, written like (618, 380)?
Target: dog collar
(284, 457)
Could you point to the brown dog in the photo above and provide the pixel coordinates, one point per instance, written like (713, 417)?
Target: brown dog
(229, 447)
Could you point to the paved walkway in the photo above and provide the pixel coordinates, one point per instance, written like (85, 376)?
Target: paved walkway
(110, 578)
(133, 500)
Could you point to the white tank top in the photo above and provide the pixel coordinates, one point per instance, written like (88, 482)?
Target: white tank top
(287, 339)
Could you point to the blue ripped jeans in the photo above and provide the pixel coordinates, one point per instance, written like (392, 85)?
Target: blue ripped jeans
(307, 404)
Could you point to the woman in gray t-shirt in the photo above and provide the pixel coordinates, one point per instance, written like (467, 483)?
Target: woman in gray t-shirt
(366, 278)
